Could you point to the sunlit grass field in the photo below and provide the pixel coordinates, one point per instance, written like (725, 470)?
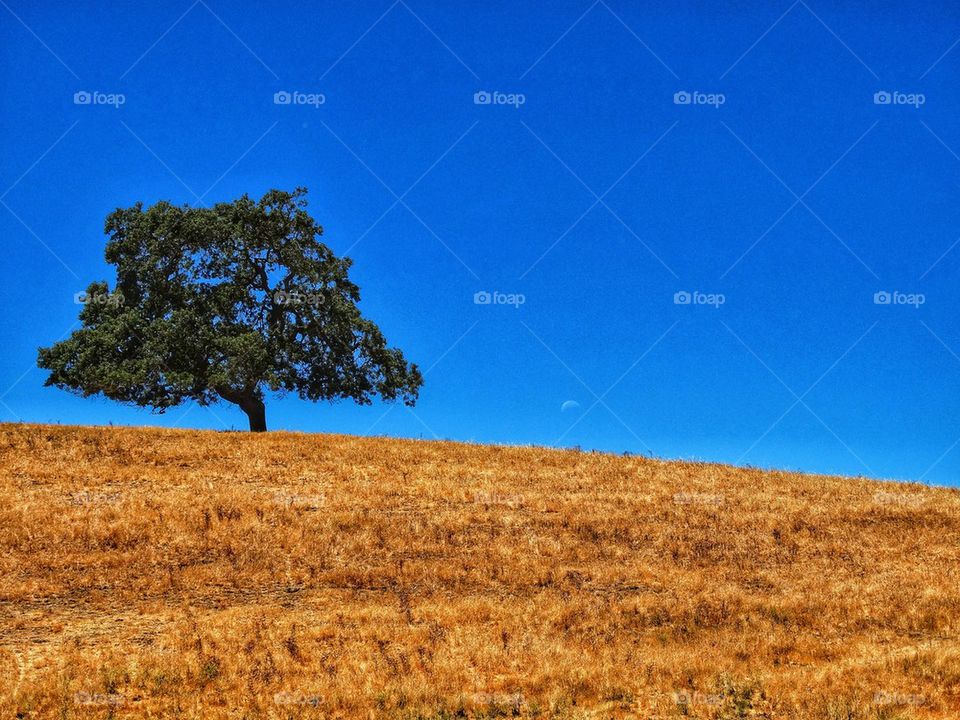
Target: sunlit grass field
(160, 573)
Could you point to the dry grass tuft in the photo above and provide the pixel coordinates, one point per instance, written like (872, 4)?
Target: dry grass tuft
(157, 573)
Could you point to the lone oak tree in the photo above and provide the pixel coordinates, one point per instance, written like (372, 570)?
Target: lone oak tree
(224, 303)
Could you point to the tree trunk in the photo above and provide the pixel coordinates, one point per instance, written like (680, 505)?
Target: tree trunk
(250, 404)
(256, 413)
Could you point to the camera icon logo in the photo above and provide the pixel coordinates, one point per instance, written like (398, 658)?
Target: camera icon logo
(482, 298)
(881, 298)
(82, 98)
(681, 298)
(282, 98)
(81, 298)
(882, 97)
(482, 97)
(682, 98)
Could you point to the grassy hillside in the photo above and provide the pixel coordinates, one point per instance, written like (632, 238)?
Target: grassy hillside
(221, 575)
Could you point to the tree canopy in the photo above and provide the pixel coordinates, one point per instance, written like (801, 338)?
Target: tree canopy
(226, 303)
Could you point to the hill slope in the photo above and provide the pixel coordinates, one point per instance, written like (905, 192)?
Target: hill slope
(206, 575)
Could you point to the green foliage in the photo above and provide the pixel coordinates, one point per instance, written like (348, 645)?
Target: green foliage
(226, 303)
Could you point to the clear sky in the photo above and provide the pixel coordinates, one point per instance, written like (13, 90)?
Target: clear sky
(782, 198)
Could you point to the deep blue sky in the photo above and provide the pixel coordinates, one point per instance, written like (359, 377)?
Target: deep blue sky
(797, 199)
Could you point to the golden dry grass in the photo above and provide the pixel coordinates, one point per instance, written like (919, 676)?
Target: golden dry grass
(158, 573)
